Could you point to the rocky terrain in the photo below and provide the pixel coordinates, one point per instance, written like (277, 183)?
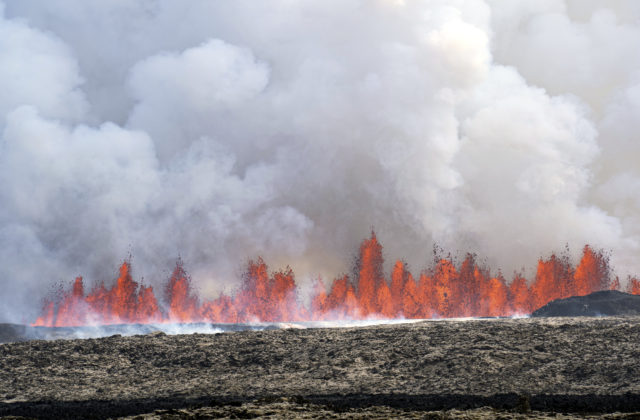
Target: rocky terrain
(572, 365)
(287, 408)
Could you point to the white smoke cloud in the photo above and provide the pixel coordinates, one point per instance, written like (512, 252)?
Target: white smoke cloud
(38, 69)
(227, 130)
(178, 95)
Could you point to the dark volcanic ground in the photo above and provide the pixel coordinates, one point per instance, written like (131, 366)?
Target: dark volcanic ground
(573, 365)
(603, 303)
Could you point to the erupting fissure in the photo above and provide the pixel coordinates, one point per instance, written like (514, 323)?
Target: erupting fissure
(443, 291)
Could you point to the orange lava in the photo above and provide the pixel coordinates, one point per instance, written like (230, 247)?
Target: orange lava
(446, 290)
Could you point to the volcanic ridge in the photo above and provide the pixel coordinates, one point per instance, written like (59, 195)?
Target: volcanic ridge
(602, 303)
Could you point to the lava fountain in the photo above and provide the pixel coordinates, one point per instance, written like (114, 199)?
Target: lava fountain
(445, 290)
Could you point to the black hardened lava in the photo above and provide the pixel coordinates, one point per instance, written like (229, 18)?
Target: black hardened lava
(572, 365)
(603, 303)
(103, 409)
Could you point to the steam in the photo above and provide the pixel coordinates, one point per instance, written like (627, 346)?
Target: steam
(221, 131)
(20, 332)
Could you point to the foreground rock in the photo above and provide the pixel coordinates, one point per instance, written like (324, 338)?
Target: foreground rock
(287, 408)
(604, 303)
(550, 365)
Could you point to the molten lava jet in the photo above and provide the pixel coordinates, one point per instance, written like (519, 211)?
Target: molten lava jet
(446, 290)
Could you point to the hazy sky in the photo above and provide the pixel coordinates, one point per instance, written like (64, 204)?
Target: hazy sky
(224, 130)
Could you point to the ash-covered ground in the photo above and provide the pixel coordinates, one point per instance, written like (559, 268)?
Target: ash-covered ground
(548, 365)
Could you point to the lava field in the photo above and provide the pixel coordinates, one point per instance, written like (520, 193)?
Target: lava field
(547, 365)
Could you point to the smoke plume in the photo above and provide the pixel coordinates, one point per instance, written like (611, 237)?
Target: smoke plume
(220, 131)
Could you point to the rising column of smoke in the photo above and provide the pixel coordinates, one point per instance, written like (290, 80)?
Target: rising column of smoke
(222, 131)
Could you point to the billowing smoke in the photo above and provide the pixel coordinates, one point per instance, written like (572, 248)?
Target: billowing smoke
(220, 131)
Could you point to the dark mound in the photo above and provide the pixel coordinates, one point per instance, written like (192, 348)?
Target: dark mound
(605, 303)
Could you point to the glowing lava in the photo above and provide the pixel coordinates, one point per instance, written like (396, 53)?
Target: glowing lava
(444, 291)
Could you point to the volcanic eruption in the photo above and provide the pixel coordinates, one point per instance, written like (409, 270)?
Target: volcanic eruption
(445, 290)
(501, 131)
(253, 157)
